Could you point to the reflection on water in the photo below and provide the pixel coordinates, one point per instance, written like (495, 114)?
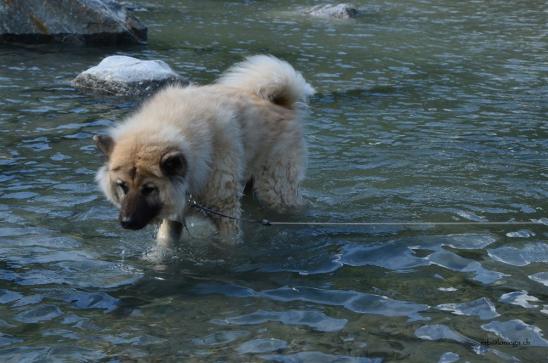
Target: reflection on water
(425, 112)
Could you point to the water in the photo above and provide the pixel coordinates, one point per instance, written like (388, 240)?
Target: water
(426, 111)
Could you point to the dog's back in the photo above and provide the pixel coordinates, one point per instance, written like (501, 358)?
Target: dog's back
(255, 101)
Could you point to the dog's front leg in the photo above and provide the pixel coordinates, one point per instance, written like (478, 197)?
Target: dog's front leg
(169, 233)
(166, 241)
(229, 231)
(228, 227)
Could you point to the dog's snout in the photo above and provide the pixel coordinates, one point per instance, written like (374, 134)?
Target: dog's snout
(125, 221)
(136, 211)
(130, 223)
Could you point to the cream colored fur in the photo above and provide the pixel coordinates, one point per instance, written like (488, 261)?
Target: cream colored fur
(245, 126)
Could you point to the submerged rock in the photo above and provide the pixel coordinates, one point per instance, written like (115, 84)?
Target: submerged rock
(339, 11)
(127, 76)
(76, 21)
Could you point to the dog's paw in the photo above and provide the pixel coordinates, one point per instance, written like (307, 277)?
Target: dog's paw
(160, 254)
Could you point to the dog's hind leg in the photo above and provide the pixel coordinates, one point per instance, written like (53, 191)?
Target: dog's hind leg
(223, 192)
(229, 228)
(226, 202)
(277, 181)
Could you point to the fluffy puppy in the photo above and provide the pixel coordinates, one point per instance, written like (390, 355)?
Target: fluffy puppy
(209, 142)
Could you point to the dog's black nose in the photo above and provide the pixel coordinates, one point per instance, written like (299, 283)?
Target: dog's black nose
(131, 223)
(125, 222)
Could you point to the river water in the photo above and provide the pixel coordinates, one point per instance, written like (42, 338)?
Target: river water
(425, 111)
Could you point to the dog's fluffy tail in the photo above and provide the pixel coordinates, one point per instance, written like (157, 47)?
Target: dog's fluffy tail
(270, 78)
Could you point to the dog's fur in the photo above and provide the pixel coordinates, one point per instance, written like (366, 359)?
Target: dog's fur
(209, 141)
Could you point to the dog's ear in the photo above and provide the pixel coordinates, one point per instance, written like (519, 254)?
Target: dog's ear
(104, 143)
(173, 163)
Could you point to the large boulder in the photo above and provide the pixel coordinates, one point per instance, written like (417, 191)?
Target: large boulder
(127, 76)
(76, 21)
(339, 11)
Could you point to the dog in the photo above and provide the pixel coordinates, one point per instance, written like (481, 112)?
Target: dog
(209, 142)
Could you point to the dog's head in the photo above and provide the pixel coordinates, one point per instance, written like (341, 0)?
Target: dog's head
(145, 180)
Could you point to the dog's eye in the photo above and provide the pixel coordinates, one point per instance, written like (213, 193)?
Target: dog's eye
(122, 185)
(147, 189)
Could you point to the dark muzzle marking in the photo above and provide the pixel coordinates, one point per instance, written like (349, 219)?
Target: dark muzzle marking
(137, 211)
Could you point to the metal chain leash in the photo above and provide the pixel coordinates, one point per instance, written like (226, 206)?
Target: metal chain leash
(265, 222)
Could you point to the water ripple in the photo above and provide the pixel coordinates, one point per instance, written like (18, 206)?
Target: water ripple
(261, 346)
(530, 253)
(483, 308)
(313, 319)
(39, 313)
(425, 111)
(519, 298)
(220, 337)
(352, 300)
(317, 357)
(517, 332)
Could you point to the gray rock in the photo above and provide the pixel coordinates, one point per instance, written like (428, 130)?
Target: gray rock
(74, 21)
(338, 11)
(127, 76)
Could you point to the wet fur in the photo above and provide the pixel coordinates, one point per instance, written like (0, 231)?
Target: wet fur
(245, 127)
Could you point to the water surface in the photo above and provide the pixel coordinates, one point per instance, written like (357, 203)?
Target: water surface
(425, 111)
